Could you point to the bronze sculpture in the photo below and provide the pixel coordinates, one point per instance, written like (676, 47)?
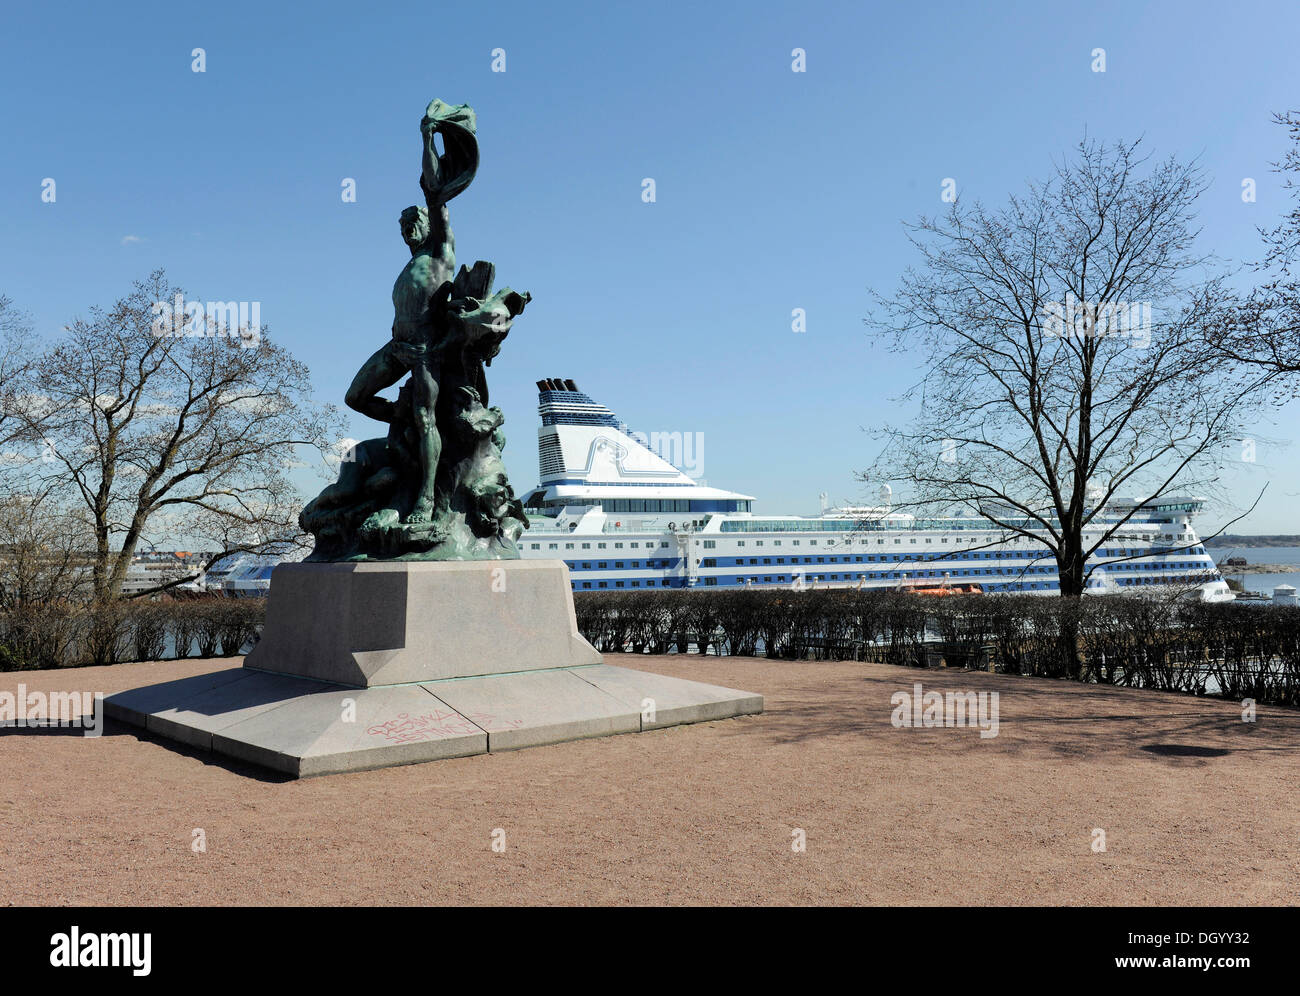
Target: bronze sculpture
(435, 487)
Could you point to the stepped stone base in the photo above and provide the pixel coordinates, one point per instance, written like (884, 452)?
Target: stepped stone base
(371, 665)
(390, 622)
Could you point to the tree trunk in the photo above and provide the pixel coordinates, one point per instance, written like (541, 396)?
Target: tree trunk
(1070, 565)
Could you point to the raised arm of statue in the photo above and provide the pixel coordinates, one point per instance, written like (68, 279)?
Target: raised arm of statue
(444, 176)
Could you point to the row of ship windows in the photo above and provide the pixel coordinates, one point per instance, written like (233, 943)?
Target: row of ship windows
(1193, 579)
(602, 565)
(994, 554)
(884, 557)
(599, 546)
(753, 561)
(1142, 566)
(737, 580)
(667, 505)
(619, 565)
(968, 555)
(917, 525)
(629, 504)
(972, 572)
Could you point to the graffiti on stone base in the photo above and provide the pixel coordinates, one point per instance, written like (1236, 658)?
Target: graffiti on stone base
(408, 729)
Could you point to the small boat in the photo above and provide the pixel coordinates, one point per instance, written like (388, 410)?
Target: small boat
(940, 589)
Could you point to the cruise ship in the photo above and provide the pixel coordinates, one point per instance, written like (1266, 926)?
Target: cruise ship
(624, 517)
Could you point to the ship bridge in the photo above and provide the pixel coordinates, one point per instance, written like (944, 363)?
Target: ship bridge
(1172, 509)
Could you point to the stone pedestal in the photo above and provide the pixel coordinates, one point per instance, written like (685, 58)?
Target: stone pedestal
(375, 664)
(395, 622)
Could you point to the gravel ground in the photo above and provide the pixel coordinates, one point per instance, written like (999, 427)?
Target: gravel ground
(1197, 806)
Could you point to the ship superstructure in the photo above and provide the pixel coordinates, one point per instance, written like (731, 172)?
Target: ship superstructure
(623, 517)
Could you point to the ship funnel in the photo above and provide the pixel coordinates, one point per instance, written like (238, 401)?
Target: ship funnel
(556, 384)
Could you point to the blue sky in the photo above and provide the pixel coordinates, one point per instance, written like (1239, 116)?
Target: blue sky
(774, 189)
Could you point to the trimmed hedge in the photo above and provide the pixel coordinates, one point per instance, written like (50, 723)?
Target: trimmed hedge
(50, 636)
(1237, 651)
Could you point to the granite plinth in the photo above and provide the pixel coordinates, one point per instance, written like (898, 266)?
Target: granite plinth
(391, 622)
(288, 709)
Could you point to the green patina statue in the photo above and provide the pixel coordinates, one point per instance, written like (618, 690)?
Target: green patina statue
(435, 487)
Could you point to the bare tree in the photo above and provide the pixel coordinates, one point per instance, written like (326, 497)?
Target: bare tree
(158, 434)
(16, 350)
(1064, 361)
(44, 580)
(42, 553)
(1263, 330)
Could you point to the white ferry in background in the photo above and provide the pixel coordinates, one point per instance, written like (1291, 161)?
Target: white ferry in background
(623, 517)
(240, 575)
(248, 575)
(150, 570)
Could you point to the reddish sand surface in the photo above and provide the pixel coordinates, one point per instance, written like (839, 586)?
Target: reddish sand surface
(1197, 806)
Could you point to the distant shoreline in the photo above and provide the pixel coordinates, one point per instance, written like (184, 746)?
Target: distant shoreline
(1249, 542)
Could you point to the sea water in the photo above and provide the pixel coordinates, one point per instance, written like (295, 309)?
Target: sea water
(1261, 555)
